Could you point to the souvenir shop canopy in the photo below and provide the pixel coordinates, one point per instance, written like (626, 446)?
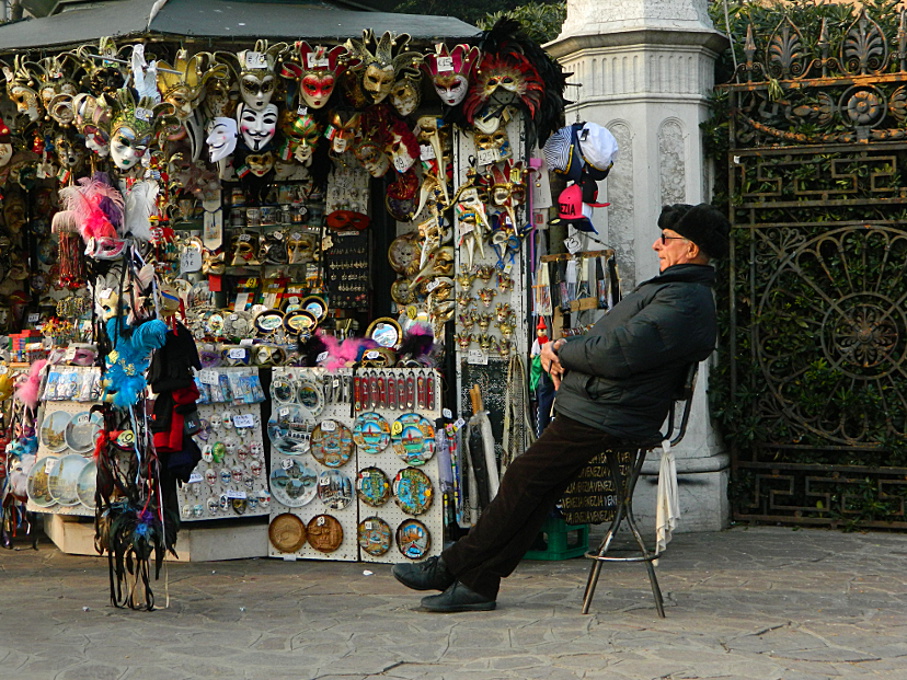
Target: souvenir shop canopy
(237, 19)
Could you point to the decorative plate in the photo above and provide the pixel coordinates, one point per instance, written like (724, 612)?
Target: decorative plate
(300, 321)
(402, 292)
(310, 395)
(413, 438)
(317, 306)
(413, 539)
(287, 533)
(268, 321)
(335, 489)
(374, 536)
(63, 479)
(385, 331)
(373, 486)
(403, 255)
(36, 484)
(290, 429)
(332, 443)
(325, 533)
(371, 432)
(294, 484)
(88, 482)
(82, 431)
(283, 390)
(53, 430)
(413, 491)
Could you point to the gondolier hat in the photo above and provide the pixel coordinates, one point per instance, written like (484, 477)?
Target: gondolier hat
(702, 224)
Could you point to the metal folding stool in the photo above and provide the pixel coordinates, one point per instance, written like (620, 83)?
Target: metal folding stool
(624, 510)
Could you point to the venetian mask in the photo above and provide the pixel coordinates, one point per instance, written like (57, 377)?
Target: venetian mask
(135, 126)
(302, 133)
(343, 130)
(406, 93)
(316, 73)
(372, 158)
(300, 248)
(181, 84)
(221, 95)
(221, 138)
(497, 141)
(257, 126)
(20, 81)
(244, 250)
(105, 75)
(260, 164)
(381, 61)
(128, 145)
(68, 155)
(402, 147)
(450, 70)
(257, 80)
(6, 147)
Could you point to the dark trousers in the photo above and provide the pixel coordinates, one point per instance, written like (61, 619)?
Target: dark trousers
(532, 485)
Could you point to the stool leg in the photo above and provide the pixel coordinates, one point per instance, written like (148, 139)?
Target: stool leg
(596, 568)
(650, 568)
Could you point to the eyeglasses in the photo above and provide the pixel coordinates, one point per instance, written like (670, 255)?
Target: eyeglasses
(665, 239)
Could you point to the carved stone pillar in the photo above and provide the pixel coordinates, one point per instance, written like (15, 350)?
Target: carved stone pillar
(645, 68)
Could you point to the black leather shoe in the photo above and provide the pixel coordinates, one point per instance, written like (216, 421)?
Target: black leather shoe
(458, 598)
(432, 574)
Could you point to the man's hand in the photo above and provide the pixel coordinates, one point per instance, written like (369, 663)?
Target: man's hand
(550, 362)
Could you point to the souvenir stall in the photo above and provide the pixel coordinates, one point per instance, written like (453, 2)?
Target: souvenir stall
(273, 272)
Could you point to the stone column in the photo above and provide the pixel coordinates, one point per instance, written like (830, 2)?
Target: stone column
(646, 68)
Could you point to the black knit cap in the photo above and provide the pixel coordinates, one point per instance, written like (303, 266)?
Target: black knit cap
(702, 224)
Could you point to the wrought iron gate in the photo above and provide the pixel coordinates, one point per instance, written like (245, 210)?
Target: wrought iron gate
(818, 305)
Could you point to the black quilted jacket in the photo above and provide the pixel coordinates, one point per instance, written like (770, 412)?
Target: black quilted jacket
(622, 374)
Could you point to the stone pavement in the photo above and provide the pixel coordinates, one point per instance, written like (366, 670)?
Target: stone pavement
(760, 603)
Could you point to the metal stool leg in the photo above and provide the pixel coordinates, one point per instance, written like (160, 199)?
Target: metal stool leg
(624, 512)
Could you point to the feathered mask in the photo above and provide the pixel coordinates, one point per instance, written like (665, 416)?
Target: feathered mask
(450, 71)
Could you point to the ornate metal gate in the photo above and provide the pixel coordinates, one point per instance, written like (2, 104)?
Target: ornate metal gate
(818, 305)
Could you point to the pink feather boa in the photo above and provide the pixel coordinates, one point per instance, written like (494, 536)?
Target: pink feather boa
(27, 391)
(344, 353)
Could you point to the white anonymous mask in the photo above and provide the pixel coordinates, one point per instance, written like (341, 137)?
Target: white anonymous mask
(257, 127)
(221, 138)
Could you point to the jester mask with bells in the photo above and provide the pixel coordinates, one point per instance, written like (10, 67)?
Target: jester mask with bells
(136, 126)
(342, 131)
(302, 133)
(315, 70)
(104, 67)
(57, 87)
(21, 87)
(92, 120)
(257, 79)
(182, 84)
(450, 71)
(381, 62)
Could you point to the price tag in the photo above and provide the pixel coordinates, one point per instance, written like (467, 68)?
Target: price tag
(195, 477)
(255, 60)
(444, 63)
(208, 377)
(434, 284)
(324, 481)
(286, 464)
(402, 163)
(302, 111)
(235, 494)
(447, 413)
(321, 357)
(488, 156)
(427, 152)
(236, 353)
(477, 357)
(314, 61)
(244, 420)
(369, 525)
(460, 423)
(328, 426)
(396, 428)
(372, 354)
(573, 245)
(34, 317)
(190, 261)
(246, 342)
